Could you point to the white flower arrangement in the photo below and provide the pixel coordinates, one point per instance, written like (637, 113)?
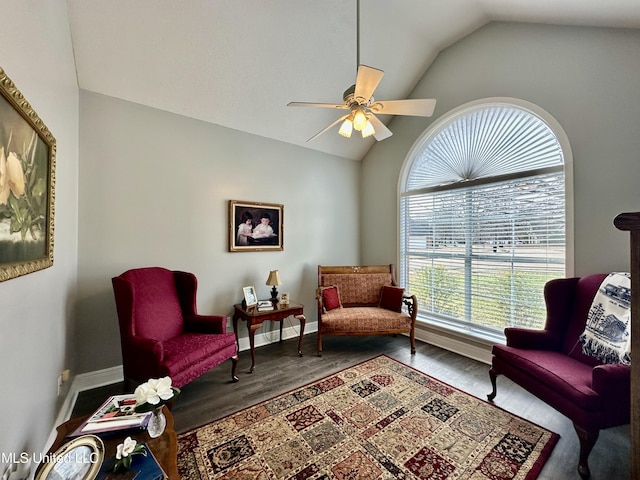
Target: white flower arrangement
(125, 452)
(154, 393)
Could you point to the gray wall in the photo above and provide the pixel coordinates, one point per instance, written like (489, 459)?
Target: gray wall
(586, 78)
(154, 191)
(36, 309)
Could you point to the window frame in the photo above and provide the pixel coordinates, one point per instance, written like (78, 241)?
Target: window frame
(430, 133)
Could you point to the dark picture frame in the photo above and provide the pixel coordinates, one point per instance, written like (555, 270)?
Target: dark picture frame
(27, 185)
(255, 226)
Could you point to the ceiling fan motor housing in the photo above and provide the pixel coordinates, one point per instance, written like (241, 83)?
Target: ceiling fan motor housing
(348, 94)
(352, 102)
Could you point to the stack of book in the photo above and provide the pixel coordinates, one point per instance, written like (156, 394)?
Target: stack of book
(117, 413)
(265, 305)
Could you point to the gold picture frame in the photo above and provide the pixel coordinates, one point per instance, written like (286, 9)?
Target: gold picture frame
(78, 459)
(255, 226)
(27, 185)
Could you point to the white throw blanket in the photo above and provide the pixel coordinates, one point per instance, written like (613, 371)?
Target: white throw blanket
(607, 335)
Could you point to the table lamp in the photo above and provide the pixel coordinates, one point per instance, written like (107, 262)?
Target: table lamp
(274, 281)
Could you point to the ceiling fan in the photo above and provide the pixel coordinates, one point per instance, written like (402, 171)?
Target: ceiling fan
(362, 107)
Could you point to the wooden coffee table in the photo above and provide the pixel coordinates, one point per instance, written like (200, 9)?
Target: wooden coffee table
(164, 448)
(254, 320)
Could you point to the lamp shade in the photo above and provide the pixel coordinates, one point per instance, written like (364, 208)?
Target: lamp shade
(368, 130)
(359, 120)
(346, 128)
(274, 278)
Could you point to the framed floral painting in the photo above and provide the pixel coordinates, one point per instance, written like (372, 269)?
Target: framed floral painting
(27, 180)
(255, 226)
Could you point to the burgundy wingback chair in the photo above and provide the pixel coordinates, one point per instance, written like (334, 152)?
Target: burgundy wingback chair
(549, 363)
(161, 332)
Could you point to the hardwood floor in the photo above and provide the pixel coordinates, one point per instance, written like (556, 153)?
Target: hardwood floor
(279, 369)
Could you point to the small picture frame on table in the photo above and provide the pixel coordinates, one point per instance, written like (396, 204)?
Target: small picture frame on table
(284, 298)
(250, 297)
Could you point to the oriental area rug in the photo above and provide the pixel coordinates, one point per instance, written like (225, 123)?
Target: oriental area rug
(379, 419)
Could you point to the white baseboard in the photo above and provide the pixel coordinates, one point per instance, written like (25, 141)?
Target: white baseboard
(462, 345)
(81, 382)
(273, 336)
(107, 376)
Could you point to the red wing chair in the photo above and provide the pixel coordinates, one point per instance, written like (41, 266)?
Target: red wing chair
(161, 332)
(550, 364)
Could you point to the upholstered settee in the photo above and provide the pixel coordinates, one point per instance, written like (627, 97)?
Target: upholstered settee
(363, 300)
(161, 332)
(550, 364)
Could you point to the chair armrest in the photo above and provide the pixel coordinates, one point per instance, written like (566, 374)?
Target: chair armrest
(205, 323)
(612, 379)
(530, 339)
(411, 301)
(145, 350)
(613, 384)
(319, 301)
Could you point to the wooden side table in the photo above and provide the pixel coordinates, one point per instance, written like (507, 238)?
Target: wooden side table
(254, 320)
(164, 448)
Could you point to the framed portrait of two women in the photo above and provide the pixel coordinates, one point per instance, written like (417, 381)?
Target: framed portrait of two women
(255, 226)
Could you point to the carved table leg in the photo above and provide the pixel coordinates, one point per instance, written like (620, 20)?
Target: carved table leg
(303, 321)
(252, 345)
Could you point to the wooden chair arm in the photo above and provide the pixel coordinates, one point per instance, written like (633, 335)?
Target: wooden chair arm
(411, 301)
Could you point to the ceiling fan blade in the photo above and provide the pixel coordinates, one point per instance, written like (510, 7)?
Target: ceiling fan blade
(329, 127)
(381, 129)
(416, 107)
(340, 106)
(366, 82)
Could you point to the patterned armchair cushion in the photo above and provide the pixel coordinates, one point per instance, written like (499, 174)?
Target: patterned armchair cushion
(190, 355)
(359, 289)
(364, 320)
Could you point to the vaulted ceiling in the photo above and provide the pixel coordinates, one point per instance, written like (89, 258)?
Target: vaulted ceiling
(237, 63)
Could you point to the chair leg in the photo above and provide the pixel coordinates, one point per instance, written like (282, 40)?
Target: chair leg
(587, 441)
(234, 365)
(493, 376)
(319, 344)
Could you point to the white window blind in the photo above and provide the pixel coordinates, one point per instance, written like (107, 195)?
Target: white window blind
(482, 220)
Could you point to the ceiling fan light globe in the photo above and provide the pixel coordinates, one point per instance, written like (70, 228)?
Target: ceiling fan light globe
(359, 120)
(368, 130)
(346, 128)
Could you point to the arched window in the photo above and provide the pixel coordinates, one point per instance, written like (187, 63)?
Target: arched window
(482, 216)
